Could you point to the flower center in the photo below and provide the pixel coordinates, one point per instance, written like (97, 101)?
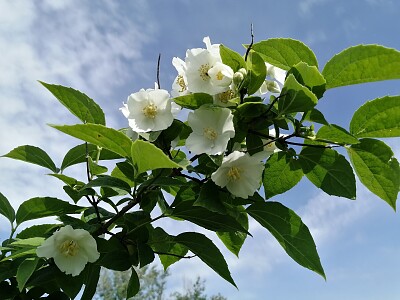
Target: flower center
(234, 174)
(224, 97)
(203, 70)
(210, 133)
(69, 248)
(181, 82)
(150, 111)
(220, 76)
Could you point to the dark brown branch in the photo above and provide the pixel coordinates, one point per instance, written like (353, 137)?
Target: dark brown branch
(251, 44)
(176, 255)
(158, 70)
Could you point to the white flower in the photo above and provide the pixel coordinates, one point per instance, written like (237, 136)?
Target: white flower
(70, 248)
(179, 86)
(212, 129)
(274, 81)
(269, 146)
(240, 173)
(148, 110)
(198, 64)
(223, 99)
(221, 75)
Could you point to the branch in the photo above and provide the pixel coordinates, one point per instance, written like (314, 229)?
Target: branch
(251, 44)
(158, 70)
(176, 255)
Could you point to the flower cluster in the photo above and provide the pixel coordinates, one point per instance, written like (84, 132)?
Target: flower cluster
(212, 125)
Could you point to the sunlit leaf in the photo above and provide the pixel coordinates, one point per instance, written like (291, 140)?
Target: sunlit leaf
(377, 169)
(77, 103)
(295, 97)
(99, 135)
(282, 172)
(378, 118)
(231, 58)
(285, 53)
(336, 134)
(193, 101)
(33, 155)
(360, 64)
(147, 157)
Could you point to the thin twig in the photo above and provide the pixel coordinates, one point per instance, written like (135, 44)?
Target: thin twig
(176, 255)
(251, 44)
(158, 70)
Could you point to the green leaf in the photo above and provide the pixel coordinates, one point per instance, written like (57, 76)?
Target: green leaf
(209, 198)
(77, 155)
(290, 231)
(285, 53)
(295, 97)
(282, 172)
(114, 255)
(99, 135)
(42, 230)
(329, 171)
(108, 181)
(77, 103)
(147, 157)
(231, 58)
(6, 209)
(91, 279)
(235, 240)
(336, 134)
(377, 169)
(133, 284)
(314, 115)
(164, 243)
(310, 77)
(360, 64)
(25, 271)
(194, 101)
(256, 72)
(205, 218)
(33, 155)
(124, 171)
(40, 207)
(205, 249)
(72, 182)
(377, 118)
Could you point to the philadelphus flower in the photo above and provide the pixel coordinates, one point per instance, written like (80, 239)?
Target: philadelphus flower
(274, 82)
(179, 86)
(270, 148)
(70, 248)
(212, 128)
(240, 173)
(148, 110)
(205, 71)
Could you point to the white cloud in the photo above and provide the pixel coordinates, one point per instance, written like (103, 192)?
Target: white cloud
(90, 46)
(306, 6)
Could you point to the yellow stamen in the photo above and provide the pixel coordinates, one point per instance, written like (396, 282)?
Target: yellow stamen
(150, 111)
(210, 133)
(69, 248)
(203, 70)
(220, 76)
(234, 174)
(181, 82)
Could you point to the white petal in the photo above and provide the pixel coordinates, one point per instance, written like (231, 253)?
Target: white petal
(72, 265)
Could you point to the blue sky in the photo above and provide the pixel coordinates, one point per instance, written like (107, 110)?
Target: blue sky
(109, 49)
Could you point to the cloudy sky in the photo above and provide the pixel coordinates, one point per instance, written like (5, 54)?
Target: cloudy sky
(109, 49)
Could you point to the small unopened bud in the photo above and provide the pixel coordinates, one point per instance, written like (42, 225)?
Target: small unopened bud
(243, 71)
(237, 78)
(273, 86)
